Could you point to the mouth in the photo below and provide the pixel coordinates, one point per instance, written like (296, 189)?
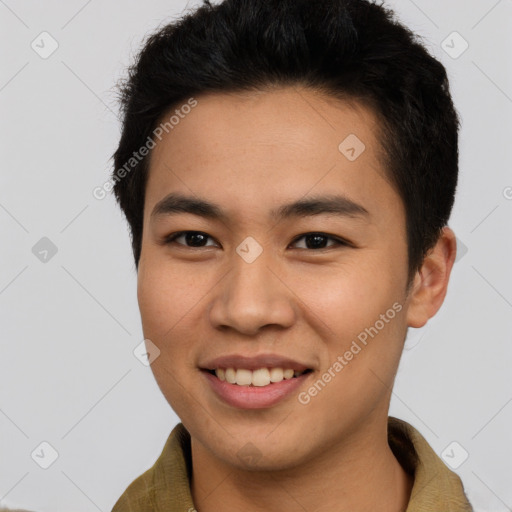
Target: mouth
(261, 388)
(259, 381)
(260, 377)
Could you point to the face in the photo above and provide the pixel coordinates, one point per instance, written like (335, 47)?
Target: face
(253, 281)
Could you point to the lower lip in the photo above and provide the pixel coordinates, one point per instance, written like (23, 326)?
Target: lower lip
(254, 397)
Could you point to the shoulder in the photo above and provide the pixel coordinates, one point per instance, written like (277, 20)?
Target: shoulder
(166, 483)
(435, 487)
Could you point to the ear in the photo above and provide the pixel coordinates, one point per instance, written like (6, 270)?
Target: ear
(431, 281)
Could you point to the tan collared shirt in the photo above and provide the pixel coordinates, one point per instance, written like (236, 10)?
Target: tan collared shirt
(165, 487)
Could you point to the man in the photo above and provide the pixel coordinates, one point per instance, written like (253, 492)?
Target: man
(288, 169)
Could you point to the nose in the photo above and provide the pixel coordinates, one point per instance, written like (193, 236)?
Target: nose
(252, 296)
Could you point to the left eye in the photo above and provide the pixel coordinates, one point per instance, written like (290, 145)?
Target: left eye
(316, 240)
(198, 238)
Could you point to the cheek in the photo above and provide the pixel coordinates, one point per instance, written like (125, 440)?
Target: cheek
(167, 298)
(358, 310)
(361, 317)
(166, 295)
(164, 302)
(349, 297)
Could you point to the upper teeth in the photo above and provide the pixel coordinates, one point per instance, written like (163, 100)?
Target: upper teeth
(259, 377)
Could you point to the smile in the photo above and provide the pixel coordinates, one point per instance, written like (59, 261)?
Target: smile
(260, 377)
(253, 389)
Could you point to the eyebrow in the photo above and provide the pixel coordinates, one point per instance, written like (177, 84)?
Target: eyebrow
(339, 205)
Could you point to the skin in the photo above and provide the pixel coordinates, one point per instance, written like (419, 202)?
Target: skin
(249, 153)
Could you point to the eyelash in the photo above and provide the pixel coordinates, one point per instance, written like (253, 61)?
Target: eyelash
(339, 241)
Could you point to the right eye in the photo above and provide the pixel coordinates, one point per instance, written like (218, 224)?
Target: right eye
(196, 239)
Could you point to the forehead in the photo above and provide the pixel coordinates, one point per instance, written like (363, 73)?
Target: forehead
(291, 116)
(255, 148)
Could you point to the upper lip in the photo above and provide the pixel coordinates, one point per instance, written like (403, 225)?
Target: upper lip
(254, 362)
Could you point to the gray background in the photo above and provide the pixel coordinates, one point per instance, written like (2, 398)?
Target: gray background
(69, 324)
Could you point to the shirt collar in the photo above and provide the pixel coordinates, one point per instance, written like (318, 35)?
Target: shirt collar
(436, 487)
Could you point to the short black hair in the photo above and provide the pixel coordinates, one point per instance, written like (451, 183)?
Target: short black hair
(349, 49)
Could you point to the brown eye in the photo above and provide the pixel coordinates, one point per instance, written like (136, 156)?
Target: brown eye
(318, 241)
(191, 238)
(198, 239)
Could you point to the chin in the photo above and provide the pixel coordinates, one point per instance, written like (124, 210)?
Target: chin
(250, 458)
(264, 452)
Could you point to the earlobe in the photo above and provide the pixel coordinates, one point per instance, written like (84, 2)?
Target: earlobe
(431, 281)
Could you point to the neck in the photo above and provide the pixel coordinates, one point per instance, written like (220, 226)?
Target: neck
(361, 475)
